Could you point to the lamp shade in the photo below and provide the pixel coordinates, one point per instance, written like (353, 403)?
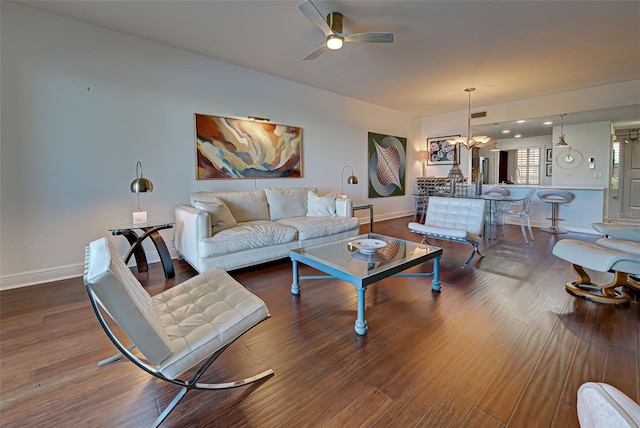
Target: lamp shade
(141, 184)
(422, 155)
(351, 179)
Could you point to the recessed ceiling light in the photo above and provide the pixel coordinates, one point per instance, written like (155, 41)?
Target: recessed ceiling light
(521, 121)
(505, 131)
(548, 123)
(518, 136)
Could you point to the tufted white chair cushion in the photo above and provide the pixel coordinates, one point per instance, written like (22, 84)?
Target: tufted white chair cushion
(122, 296)
(456, 213)
(203, 314)
(181, 326)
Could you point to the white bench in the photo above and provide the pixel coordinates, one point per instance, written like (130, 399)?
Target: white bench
(453, 219)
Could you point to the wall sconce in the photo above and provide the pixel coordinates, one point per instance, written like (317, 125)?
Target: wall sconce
(140, 185)
(352, 179)
(422, 156)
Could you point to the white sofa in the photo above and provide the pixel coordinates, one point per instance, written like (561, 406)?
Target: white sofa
(233, 230)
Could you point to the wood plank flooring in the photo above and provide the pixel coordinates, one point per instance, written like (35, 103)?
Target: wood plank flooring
(502, 345)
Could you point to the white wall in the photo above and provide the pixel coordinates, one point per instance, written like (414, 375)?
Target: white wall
(80, 105)
(591, 140)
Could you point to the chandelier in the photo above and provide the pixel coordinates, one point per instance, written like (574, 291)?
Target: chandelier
(469, 142)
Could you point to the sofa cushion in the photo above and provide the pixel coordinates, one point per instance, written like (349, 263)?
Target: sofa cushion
(245, 236)
(316, 227)
(287, 202)
(221, 217)
(244, 206)
(320, 206)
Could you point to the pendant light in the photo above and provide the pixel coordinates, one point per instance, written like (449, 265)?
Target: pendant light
(561, 142)
(495, 147)
(469, 142)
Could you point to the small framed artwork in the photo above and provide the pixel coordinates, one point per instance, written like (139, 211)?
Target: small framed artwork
(549, 155)
(549, 169)
(441, 152)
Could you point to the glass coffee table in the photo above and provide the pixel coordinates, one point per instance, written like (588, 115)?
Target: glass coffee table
(364, 260)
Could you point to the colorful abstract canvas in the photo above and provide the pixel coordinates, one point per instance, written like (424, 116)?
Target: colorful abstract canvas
(387, 163)
(238, 148)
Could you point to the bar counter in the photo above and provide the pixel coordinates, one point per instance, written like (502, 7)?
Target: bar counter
(588, 206)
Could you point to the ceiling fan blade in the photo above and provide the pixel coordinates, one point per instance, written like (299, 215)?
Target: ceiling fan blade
(316, 53)
(369, 37)
(311, 11)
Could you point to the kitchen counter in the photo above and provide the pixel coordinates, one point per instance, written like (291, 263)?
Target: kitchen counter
(588, 206)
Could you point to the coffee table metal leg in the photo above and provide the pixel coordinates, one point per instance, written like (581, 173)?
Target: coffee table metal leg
(295, 285)
(361, 323)
(435, 284)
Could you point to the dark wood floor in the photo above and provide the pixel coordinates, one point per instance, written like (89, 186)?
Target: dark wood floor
(502, 345)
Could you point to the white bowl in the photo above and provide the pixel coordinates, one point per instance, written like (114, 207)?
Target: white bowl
(368, 246)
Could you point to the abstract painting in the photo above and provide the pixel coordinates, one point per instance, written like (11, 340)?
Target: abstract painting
(441, 152)
(387, 163)
(239, 148)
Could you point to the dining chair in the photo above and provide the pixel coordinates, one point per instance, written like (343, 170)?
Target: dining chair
(521, 210)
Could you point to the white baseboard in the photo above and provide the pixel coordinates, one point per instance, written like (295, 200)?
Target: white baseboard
(388, 216)
(59, 273)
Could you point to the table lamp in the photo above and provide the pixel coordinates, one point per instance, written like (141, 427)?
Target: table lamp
(422, 156)
(140, 184)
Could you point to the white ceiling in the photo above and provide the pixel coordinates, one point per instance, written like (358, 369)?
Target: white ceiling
(508, 50)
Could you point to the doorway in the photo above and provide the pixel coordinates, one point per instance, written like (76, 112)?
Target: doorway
(624, 199)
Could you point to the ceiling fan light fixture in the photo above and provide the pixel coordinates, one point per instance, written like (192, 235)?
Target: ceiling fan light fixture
(334, 42)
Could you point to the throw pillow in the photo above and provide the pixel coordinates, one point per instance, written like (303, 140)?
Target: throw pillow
(221, 217)
(321, 206)
(287, 202)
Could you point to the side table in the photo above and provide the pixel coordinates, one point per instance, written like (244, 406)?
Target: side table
(365, 207)
(150, 230)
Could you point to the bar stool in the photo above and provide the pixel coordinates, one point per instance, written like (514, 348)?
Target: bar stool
(554, 197)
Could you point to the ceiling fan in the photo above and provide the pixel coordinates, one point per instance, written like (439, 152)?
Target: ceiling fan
(332, 29)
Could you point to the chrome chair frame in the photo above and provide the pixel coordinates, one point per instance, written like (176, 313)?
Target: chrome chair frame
(185, 385)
